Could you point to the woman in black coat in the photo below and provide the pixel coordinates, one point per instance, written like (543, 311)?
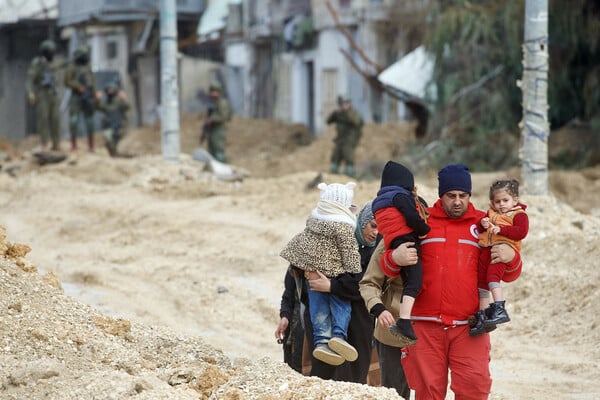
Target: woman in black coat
(360, 329)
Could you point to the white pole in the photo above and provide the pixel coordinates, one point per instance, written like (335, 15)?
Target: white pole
(169, 93)
(535, 126)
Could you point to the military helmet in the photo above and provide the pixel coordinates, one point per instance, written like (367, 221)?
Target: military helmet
(48, 46)
(112, 85)
(215, 86)
(81, 50)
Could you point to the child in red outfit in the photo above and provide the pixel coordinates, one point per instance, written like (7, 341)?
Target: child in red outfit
(400, 217)
(506, 222)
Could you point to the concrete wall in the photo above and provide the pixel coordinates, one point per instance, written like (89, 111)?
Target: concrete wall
(17, 49)
(13, 101)
(195, 75)
(238, 59)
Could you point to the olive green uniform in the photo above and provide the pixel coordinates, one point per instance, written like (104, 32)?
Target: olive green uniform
(41, 91)
(348, 125)
(115, 119)
(215, 128)
(82, 104)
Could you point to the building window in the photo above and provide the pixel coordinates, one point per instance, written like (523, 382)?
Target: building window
(112, 50)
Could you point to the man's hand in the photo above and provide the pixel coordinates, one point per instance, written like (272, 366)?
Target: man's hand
(281, 327)
(405, 254)
(386, 319)
(319, 282)
(502, 253)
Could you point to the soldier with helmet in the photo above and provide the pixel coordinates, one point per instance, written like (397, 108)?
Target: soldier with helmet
(114, 105)
(215, 126)
(42, 93)
(82, 82)
(348, 124)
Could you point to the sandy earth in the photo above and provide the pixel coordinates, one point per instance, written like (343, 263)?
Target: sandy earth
(154, 280)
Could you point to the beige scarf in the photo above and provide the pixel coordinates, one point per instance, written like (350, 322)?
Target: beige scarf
(332, 211)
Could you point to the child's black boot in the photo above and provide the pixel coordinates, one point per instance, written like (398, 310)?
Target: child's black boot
(478, 327)
(498, 314)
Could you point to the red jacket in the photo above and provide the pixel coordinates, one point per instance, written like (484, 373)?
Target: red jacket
(450, 259)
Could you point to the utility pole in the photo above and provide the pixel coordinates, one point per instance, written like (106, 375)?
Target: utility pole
(169, 90)
(535, 127)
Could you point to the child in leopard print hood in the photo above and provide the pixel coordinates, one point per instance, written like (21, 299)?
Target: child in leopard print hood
(327, 246)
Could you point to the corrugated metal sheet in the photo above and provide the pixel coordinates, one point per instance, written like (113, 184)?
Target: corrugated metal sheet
(213, 19)
(411, 74)
(11, 11)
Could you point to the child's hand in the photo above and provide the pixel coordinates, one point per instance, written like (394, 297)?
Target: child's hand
(485, 222)
(495, 229)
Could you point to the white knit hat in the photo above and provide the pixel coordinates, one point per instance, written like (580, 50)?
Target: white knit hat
(338, 193)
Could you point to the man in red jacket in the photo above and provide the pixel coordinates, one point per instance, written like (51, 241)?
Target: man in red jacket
(449, 296)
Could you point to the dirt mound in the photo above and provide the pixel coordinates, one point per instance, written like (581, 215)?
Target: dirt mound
(271, 148)
(182, 278)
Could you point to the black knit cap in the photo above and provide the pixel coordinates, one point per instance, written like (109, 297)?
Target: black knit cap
(395, 174)
(454, 177)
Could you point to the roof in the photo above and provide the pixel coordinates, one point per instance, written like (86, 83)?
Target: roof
(213, 19)
(411, 74)
(12, 11)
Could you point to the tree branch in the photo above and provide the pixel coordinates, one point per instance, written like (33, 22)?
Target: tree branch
(353, 44)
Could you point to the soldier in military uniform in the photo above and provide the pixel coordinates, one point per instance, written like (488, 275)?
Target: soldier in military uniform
(215, 125)
(114, 105)
(82, 82)
(41, 93)
(348, 125)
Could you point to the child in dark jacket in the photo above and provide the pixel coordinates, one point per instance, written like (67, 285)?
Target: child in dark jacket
(401, 217)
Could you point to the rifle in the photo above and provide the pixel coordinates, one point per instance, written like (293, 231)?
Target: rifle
(205, 127)
(86, 99)
(47, 79)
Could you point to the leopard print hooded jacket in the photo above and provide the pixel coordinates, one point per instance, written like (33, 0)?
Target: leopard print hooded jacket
(329, 247)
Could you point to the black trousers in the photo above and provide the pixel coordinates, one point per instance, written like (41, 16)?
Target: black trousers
(392, 373)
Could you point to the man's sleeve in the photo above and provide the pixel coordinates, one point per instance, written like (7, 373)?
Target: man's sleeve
(371, 285)
(287, 298)
(346, 286)
(70, 80)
